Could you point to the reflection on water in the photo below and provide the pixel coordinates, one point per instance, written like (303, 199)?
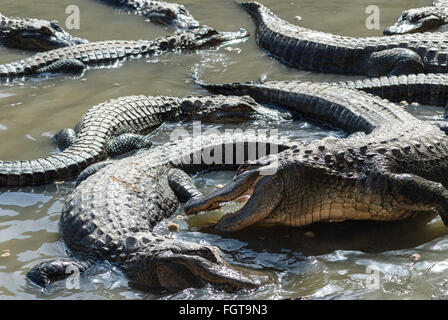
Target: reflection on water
(344, 260)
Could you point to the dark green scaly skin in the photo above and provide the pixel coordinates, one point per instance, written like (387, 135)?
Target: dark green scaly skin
(421, 19)
(119, 126)
(312, 50)
(111, 215)
(34, 34)
(400, 166)
(161, 12)
(75, 59)
(430, 89)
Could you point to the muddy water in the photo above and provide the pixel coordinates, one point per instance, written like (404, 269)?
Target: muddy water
(322, 261)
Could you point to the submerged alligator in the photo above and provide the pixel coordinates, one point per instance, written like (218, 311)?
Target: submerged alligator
(119, 126)
(77, 58)
(421, 19)
(111, 215)
(312, 50)
(400, 165)
(161, 12)
(34, 34)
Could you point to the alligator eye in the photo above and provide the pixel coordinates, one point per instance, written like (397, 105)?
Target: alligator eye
(169, 13)
(46, 31)
(55, 25)
(416, 17)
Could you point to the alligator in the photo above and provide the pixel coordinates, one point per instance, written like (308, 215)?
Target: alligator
(34, 34)
(116, 127)
(76, 59)
(396, 166)
(421, 19)
(312, 50)
(112, 213)
(160, 12)
(428, 89)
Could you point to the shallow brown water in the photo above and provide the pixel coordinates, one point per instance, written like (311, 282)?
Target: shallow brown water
(335, 263)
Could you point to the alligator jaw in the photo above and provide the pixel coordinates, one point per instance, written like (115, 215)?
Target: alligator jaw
(178, 271)
(230, 36)
(230, 192)
(415, 21)
(213, 37)
(43, 42)
(48, 37)
(66, 40)
(407, 27)
(265, 198)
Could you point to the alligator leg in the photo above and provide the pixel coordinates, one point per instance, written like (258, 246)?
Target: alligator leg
(127, 142)
(46, 272)
(64, 66)
(419, 194)
(182, 185)
(65, 138)
(94, 168)
(394, 62)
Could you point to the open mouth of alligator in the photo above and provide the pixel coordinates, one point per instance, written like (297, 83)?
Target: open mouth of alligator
(208, 218)
(226, 204)
(259, 194)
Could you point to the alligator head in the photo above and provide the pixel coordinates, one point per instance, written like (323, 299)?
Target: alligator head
(225, 109)
(207, 36)
(171, 14)
(418, 20)
(183, 265)
(40, 35)
(261, 179)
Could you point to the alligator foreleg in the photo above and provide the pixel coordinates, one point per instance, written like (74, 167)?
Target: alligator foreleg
(64, 66)
(419, 193)
(46, 272)
(65, 138)
(127, 142)
(394, 62)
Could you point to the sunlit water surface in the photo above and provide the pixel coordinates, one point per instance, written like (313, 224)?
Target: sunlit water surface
(328, 261)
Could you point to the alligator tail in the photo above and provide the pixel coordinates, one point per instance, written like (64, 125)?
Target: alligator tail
(49, 271)
(64, 165)
(253, 8)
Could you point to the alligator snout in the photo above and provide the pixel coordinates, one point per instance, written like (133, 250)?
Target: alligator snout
(200, 267)
(171, 14)
(415, 21)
